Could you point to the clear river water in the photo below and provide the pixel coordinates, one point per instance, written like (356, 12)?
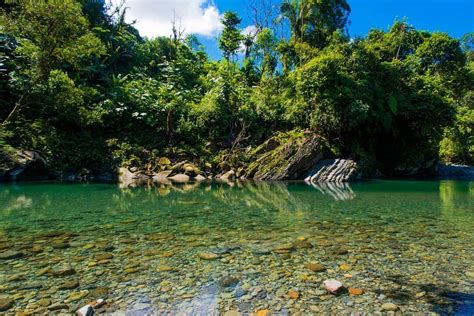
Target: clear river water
(238, 248)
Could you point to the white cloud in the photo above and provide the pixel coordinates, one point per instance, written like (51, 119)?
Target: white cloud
(250, 30)
(154, 17)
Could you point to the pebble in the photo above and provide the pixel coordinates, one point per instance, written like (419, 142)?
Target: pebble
(315, 267)
(389, 307)
(5, 304)
(345, 267)
(63, 271)
(10, 254)
(333, 286)
(293, 295)
(355, 291)
(207, 255)
(44, 302)
(263, 312)
(228, 281)
(69, 285)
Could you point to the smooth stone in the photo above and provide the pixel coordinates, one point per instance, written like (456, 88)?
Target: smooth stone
(389, 307)
(355, 291)
(76, 296)
(315, 267)
(36, 249)
(293, 295)
(207, 255)
(333, 286)
(284, 248)
(99, 292)
(345, 267)
(5, 304)
(232, 313)
(340, 251)
(60, 245)
(104, 256)
(69, 285)
(228, 281)
(303, 244)
(10, 254)
(58, 307)
(45, 302)
(180, 178)
(263, 312)
(63, 271)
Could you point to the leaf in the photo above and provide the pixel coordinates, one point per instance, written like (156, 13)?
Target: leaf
(393, 104)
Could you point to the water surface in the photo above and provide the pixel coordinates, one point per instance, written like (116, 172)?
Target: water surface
(410, 243)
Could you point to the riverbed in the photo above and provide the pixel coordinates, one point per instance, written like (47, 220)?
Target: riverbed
(215, 248)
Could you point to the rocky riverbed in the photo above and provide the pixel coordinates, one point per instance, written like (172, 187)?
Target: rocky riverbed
(207, 260)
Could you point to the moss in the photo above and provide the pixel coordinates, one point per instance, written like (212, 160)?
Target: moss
(274, 161)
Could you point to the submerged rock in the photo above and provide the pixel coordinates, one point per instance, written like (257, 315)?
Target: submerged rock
(69, 285)
(389, 307)
(207, 255)
(228, 281)
(333, 286)
(5, 304)
(355, 291)
(315, 267)
(63, 271)
(10, 254)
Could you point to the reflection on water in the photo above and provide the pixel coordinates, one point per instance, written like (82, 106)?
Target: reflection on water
(172, 248)
(338, 191)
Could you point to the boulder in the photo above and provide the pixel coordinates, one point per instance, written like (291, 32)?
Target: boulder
(228, 176)
(286, 157)
(164, 162)
(455, 172)
(180, 178)
(333, 170)
(191, 170)
(23, 165)
(162, 176)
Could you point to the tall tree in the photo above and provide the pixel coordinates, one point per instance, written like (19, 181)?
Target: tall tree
(314, 21)
(231, 38)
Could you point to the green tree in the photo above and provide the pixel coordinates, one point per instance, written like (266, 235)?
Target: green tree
(314, 21)
(51, 35)
(231, 38)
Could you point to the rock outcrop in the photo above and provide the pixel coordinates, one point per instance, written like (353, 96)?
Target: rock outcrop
(286, 157)
(23, 165)
(455, 172)
(333, 170)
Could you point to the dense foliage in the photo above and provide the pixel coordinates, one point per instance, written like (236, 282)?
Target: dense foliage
(80, 86)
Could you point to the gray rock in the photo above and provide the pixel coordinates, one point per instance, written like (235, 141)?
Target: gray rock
(287, 161)
(333, 170)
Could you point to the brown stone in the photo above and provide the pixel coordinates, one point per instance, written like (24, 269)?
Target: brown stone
(315, 267)
(293, 295)
(355, 291)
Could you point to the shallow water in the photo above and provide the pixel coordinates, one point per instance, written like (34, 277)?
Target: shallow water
(409, 243)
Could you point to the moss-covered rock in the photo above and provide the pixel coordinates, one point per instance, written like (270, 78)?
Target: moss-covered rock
(287, 156)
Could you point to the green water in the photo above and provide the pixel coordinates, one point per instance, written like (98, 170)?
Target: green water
(404, 242)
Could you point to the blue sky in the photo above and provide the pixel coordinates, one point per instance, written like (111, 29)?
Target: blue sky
(153, 17)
